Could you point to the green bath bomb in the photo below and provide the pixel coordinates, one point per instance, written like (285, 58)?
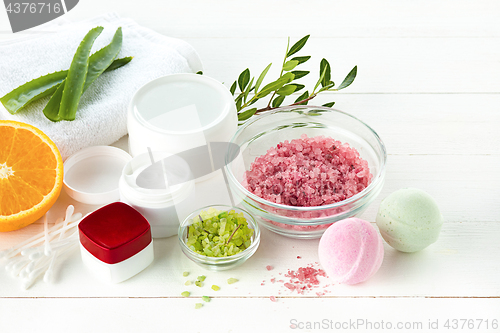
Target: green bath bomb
(409, 220)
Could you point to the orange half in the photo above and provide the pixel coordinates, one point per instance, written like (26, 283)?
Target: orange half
(31, 174)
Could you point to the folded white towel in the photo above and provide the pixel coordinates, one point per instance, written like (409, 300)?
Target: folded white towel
(101, 118)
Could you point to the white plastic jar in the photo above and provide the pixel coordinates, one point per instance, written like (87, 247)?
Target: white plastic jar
(161, 187)
(178, 112)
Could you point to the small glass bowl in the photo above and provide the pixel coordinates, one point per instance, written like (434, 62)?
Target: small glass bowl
(261, 133)
(220, 263)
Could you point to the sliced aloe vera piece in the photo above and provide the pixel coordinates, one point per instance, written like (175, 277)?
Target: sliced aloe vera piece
(51, 110)
(103, 58)
(35, 89)
(77, 75)
(46, 85)
(99, 62)
(118, 63)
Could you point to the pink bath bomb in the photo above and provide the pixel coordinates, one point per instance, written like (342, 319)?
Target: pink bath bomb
(351, 251)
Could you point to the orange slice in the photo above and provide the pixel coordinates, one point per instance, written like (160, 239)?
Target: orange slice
(31, 174)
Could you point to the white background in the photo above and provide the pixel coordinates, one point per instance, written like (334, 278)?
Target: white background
(428, 82)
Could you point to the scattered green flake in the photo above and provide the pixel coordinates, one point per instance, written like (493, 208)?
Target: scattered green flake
(198, 305)
(185, 274)
(205, 298)
(215, 288)
(186, 294)
(198, 283)
(188, 283)
(202, 278)
(232, 280)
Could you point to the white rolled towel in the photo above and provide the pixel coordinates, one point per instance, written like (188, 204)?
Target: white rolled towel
(101, 118)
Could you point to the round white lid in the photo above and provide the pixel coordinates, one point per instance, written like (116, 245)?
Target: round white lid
(166, 103)
(91, 176)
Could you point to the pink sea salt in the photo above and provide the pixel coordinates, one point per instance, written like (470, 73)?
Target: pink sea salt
(304, 279)
(308, 172)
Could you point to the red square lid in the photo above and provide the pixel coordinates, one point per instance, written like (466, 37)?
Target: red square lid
(114, 232)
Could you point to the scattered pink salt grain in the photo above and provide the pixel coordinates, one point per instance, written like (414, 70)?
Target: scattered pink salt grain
(269, 267)
(304, 279)
(273, 299)
(308, 172)
(299, 257)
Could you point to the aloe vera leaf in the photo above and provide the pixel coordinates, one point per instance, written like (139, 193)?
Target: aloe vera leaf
(117, 63)
(77, 74)
(98, 63)
(35, 89)
(51, 110)
(42, 86)
(103, 58)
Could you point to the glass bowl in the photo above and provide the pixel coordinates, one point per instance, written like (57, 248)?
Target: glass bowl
(220, 263)
(262, 132)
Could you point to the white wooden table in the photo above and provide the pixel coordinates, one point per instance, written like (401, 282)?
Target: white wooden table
(429, 84)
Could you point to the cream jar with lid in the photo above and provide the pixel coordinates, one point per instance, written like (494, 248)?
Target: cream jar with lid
(161, 187)
(178, 112)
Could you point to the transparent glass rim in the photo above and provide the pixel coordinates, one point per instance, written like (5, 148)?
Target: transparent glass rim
(374, 183)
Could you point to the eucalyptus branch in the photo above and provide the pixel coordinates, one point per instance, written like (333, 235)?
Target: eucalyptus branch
(284, 86)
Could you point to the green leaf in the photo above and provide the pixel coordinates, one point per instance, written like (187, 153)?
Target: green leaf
(349, 78)
(288, 77)
(273, 86)
(286, 90)
(243, 79)
(233, 88)
(278, 101)
(199, 72)
(302, 97)
(298, 87)
(302, 60)
(239, 101)
(289, 65)
(299, 74)
(247, 90)
(327, 87)
(246, 114)
(261, 77)
(321, 77)
(297, 46)
(329, 105)
(325, 66)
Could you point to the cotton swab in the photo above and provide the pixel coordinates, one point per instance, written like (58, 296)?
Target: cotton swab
(42, 252)
(28, 282)
(49, 276)
(36, 241)
(13, 251)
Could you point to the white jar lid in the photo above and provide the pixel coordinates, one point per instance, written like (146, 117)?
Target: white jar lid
(91, 176)
(178, 112)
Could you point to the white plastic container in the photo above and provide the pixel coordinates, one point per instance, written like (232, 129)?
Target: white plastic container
(178, 112)
(115, 242)
(91, 175)
(159, 186)
(119, 272)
